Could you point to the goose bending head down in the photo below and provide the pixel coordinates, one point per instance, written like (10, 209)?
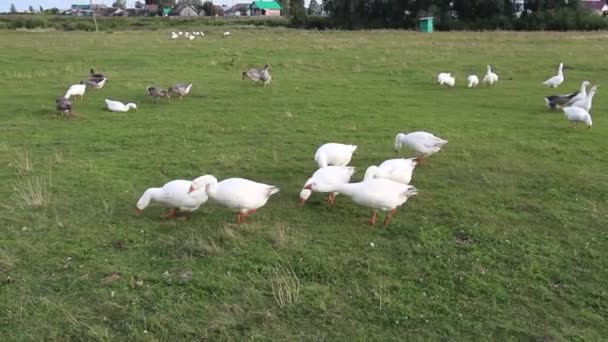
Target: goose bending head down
(576, 115)
(325, 176)
(399, 170)
(117, 106)
(377, 194)
(473, 81)
(446, 79)
(241, 195)
(157, 93)
(556, 80)
(334, 154)
(424, 143)
(177, 195)
(76, 90)
(64, 106)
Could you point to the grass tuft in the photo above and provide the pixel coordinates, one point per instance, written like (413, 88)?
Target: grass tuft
(23, 162)
(285, 285)
(33, 192)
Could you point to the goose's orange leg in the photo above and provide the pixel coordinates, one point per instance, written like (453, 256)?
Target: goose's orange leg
(372, 221)
(171, 213)
(389, 216)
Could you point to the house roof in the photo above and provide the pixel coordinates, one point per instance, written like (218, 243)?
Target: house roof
(266, 5)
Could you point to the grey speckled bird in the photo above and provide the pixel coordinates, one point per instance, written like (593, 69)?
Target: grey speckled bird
(180, 89)
(64, 106)
(96, 82)
(157, 93)
(262, 75)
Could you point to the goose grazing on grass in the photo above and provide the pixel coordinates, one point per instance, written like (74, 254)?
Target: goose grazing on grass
(377, 194)
(324, 177)
(240, 195)
(177, 195)
(334, 154)
(157, 93)
(586, 103)
(64, 106)
(556, 80)
(558, 101)
(116, 106)
(473, 81)
(180, 89)
(191, 37)
(252, 74)
(576, 115)
(96, 82)
(399, 170)
(96, 74)
(445, 78)
(423, 143)
(174, 35)
(180, 33)
(227, 34)
(76, 90)
(490, 78)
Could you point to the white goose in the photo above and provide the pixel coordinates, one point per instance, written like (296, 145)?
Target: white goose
(178, 195)
(490, 78)
(587, 102)
(473, 81)
(334, 154)
(399, 170)
(76, 90)
(423, 143)
(227, 33)
(240, 195)
(581, 95)
(378, 194)
(446, 79)
(116, 106)
(174, 35)
(556, 80)
(327, 175)
(576, 115)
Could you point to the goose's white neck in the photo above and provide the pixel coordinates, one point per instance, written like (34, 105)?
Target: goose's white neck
(147, 197)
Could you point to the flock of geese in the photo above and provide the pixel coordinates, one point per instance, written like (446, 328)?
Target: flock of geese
(193, 35)
(385, 187)
(95, 80)
(576, 105)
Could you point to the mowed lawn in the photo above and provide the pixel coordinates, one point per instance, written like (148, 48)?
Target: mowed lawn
(507, 238)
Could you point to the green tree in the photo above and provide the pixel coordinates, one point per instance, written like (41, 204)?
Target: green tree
(41, 9)
(31, 9)
(314, 8)
(140, 5)
(120, 4)
(209, 8)
(13, 8)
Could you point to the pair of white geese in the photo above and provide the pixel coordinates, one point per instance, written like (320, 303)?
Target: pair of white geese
(384, 187)
(576, 105)
(446, 78)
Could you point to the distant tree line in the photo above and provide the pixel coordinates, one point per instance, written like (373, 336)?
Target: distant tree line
(459, 14)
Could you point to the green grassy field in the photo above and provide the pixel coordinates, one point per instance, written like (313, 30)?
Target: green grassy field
(507, 238)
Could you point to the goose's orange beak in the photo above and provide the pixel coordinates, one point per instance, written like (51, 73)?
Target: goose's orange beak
(308, 187)
(302, 200)
(137, 211)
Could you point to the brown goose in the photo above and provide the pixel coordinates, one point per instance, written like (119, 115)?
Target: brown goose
(157, 92)
(96, 82)
(252, 74)
(64, 106)
(97, 75)
(265, 75)
(180, 89)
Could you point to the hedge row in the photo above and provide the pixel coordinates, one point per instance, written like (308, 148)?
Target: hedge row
(71, 23)
(563, 19)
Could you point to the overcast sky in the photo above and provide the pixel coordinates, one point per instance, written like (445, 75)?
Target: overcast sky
(22, 5)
